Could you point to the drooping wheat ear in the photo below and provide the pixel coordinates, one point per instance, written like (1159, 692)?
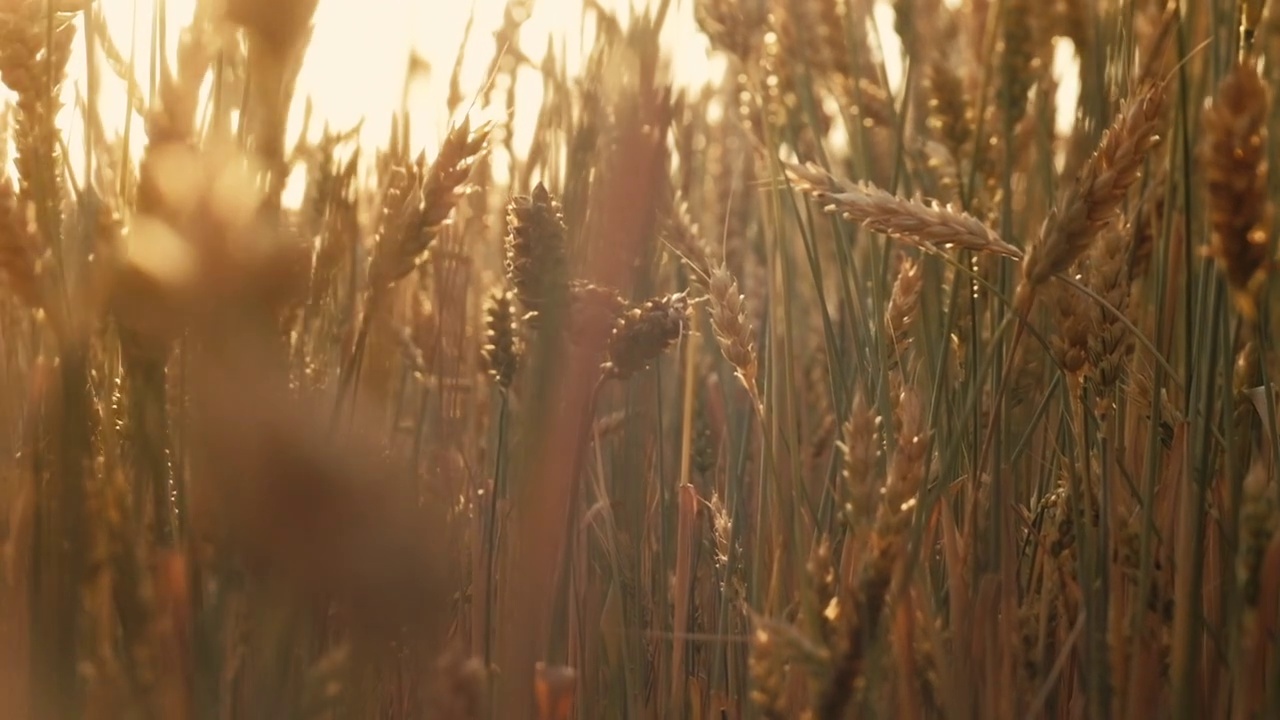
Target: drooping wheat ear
(594, 310)
(1094, 199)
(732, 329)
(644, 332)
(398, 253)
(1236, 168)
(904, 308)
(501, 351)
(687, 241)
(536, 260)
(18, 247)
(931, 227)
(1109, 340)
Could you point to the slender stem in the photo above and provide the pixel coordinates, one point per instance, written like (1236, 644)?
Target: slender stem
(491, 550)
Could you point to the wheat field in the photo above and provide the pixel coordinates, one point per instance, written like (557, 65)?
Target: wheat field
(905, 359)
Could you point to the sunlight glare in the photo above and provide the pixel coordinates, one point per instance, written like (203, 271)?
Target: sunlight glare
(357, 64)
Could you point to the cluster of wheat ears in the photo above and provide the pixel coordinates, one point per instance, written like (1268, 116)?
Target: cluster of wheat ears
(802, 394)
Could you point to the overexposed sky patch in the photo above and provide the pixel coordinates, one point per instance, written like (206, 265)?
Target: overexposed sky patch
(359, 55)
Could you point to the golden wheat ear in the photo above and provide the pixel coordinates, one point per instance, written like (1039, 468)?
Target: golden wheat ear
(1236, 176)
(930, 226)
(644, 332)
(536, 259)
(1093, 201)
(502, 348)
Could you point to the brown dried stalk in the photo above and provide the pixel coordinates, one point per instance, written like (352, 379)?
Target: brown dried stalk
(931, 227)
(1235, 158)
(1094, 199)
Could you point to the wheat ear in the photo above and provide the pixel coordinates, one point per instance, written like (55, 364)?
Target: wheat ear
(930, 226)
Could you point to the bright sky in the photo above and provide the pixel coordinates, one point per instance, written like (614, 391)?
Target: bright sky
(357, 61)
(358, 57)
